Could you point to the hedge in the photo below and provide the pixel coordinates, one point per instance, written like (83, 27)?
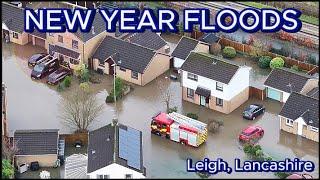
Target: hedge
(264, 62)
(277, 62)
(229, 52)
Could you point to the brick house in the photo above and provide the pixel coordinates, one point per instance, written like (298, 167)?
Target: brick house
(214, 83)
(134, 63)
(37, 145)
(282, 82)
(300, 115)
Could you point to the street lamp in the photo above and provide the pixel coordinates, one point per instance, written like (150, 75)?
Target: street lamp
(114, 65)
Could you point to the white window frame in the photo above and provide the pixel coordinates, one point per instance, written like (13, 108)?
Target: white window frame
(219, 86)
(134, 77)
(189, 95)
(75, 46)
(192, 77)
(128, 176)
(218, 104)
(289, 122)
(15, 35)
(311, 128)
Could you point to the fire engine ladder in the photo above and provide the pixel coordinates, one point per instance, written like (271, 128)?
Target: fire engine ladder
(200, 126)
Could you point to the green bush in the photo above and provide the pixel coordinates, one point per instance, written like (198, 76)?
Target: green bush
(174, 109)
(7, 169)
(119, 87)
(109, 99)
(277, 62)
(312, 59)
(229, 52)
(192, 115)
(84, 86)
(264, 62)
(295, 68)
(67, 81)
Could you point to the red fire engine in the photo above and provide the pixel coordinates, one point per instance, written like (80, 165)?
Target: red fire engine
(179, 128)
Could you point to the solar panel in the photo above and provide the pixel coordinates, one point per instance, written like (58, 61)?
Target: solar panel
(129, 147)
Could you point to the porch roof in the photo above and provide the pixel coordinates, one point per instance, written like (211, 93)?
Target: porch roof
(203, 92)
(65, 51)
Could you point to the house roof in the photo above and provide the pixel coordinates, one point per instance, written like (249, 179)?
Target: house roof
(184, 47)
(65, 51)
(39, 34)
(209, 38)
(36, 142)
(147, 39)
(299, 105)
(210, 67)
(132, 56)
(13, 17)
(98, 26)
(281, 79)
(314, 93)
(101, 148)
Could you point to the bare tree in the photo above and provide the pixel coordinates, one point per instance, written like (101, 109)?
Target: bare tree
(165, 91)
(8, 149)
(79, 109)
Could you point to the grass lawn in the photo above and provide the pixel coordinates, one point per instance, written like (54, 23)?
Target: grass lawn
(304, 18)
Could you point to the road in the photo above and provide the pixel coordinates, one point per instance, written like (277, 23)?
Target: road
(307, 30)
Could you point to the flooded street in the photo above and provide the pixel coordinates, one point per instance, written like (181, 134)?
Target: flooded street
(34, 105)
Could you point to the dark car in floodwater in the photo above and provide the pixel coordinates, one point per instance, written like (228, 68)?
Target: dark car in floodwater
(58, 75)
(44, 68)
(253, 111)
(36, 59)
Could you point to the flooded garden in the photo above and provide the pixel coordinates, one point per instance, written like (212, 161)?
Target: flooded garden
(34, 105)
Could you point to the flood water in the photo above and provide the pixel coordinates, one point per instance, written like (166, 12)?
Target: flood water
(34, 105)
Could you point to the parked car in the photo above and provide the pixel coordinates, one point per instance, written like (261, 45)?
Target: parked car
(41, 70)
(36, 59)
(251, 133)
(58, 75)
(299, 176)
(253, 111)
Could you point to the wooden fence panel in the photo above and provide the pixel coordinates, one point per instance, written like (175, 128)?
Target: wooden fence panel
(288, 61)
(72, 138)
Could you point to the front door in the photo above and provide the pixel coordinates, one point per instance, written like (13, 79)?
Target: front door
(202, 101)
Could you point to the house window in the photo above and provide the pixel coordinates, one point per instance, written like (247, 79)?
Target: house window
(219, 102)
(60, 38)
(314, 129)
(15, 35)
(122, 69)
(51, 34)
(192, 77)
(134, 75)
(74, 44)
(289, 122)
(190, 93)
(106, 176)
(73, 61)
(99, 176)
(128, 176)
(219, 86)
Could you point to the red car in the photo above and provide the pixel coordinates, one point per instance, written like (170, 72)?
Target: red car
(251, 133)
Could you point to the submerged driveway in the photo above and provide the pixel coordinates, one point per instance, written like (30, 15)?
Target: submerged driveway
(34, 105)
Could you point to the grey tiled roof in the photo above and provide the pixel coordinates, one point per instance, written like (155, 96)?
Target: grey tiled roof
(203, 92)
(101, 149)
(184, 47)
(65, 51)
(13, 17)
(36, 142)
(98, 26)
(314, 93)
(39, 34)
(209, 38)
(132, 56)
(148, 39)
(299, 105)
(281, 79)
(209, 67)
